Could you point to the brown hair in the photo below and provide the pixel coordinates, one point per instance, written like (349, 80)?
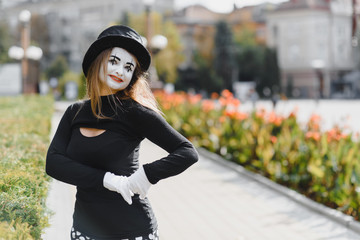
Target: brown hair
(138, 89)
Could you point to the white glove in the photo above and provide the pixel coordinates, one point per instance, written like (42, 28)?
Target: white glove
(139, 183)
(118, 184)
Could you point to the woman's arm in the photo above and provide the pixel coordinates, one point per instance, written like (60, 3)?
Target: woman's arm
(182, 153)
(61, 167)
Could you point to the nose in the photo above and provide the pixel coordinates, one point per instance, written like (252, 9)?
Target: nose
(120, 71)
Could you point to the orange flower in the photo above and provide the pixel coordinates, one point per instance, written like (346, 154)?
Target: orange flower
(241, 116)
(222, 119)
(166, 105)
(214, 95)
(335, 134)
(226, 93)
(193, 99)
(229, 113)
(234, 114)
(235, 102)
(208, 105)
(274, 119)
(273, 139)
(278, 121)
(314, 122)
(177, 99)
(229, 102)
(313, 135)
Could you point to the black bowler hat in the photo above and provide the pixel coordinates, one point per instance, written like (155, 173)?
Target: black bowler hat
(118, 36)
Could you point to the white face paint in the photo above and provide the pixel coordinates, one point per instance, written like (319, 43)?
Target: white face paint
(120, 69)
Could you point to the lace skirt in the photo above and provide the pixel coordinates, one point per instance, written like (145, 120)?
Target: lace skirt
(76, 235)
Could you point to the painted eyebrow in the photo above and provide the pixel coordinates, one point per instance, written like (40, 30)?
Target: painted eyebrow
(130, 63)
(115, 57)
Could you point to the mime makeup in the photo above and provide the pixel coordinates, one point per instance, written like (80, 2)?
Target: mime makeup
(120, 69)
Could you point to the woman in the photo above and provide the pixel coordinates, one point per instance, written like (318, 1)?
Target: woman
(96, 145)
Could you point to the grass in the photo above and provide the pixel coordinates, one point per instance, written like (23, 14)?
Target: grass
(25, 125)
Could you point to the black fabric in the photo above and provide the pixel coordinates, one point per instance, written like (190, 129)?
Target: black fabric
(83, 161)
(118, 36)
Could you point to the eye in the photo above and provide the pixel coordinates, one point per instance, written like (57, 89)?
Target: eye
(113, 61)
(128, 68)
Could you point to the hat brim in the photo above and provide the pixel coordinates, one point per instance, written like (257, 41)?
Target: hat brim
(131, 45)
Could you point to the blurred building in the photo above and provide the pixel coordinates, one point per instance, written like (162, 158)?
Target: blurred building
(73, 25)
(196, 25)
(313, 39)
(197, 30)
(252, 19)
(10, 79)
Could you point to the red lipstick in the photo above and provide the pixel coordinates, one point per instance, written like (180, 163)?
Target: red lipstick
(115, 78)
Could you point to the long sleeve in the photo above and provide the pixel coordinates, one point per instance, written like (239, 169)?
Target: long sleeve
(182, 153)
(61, 167)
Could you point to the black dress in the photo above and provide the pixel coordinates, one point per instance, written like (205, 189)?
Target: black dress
(83, 161)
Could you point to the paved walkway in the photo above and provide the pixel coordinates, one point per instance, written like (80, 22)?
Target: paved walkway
(210, 201)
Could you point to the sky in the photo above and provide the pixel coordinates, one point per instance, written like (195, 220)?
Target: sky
(222, 6)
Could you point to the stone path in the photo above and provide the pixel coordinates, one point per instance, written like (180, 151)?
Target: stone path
(212, 201)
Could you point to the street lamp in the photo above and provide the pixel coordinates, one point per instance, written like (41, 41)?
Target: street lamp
(32, 53)
(154, 44)
(25, 52)
(157, 43)
(148, 4)
(24, 18)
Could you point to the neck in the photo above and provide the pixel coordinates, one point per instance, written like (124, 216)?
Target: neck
(105, 90)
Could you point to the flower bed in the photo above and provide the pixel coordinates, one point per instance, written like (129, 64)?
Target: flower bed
(24, 134)
(323, 165)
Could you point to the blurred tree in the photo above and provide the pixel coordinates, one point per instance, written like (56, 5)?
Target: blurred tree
(5, 42)
(245, 37)
(256, 62)
(249, 62)
(82, 86)
(57, 68)
(204, 36)
(270, 74)
(201, 77)
(206, 76)
(79, 79)
(223, 54)
(171, 55)
(259, 64)
(187, 79)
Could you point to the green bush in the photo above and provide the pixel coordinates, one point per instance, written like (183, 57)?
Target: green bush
(24, 134)
(324, 166)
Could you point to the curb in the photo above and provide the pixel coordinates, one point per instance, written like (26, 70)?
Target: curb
(341, 218)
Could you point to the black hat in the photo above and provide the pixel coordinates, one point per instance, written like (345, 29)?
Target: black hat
(118, 36)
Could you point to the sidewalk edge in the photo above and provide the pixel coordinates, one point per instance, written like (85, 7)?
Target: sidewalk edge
(346, 220)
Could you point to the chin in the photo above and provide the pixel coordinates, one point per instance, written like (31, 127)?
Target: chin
(116, 87)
